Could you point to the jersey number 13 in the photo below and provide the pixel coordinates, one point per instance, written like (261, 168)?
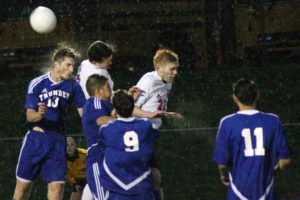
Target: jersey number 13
(259, 149)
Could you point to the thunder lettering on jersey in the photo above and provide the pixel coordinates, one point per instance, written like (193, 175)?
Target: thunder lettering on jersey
(57, 96)
(128, 144)
(85, 70)
(250, 143)
(154, 95)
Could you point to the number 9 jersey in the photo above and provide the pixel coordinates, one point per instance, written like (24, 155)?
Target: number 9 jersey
(250, 143)
(128, 144)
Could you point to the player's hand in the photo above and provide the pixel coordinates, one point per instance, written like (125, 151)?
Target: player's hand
(174, 115)
(225, 180)
(78, 188)
(157, 114)
(134, 92)
(42, 108)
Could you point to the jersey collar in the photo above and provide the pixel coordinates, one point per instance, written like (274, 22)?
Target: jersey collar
(248, 112)
(129, 119)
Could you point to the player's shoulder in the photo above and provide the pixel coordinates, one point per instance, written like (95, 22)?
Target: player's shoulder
(228, 118)
(37, 81)
(270, 116)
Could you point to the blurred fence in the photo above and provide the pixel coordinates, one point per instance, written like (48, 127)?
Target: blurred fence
(184, 155)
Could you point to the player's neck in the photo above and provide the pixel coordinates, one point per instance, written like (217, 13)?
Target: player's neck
(99, 65)
(246, 107)
(55, 77)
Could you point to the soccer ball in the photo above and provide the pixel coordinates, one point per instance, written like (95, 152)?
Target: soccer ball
(43, 20)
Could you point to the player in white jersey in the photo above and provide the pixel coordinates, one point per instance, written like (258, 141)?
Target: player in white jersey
(155, 87)
(99, 60)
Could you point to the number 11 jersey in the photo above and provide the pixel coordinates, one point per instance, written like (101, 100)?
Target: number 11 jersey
(250, 143)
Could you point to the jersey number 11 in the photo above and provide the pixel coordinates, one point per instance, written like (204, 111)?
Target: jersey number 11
(259, 149)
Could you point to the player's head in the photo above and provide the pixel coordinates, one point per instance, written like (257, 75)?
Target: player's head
(123, 103)
(63, 62)
(98, 86)
(166, 63)
(245, 91)
(101, 54)
(71, 146)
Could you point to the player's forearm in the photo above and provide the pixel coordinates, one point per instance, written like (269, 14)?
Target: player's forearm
(223, 170)
(137, 112)
(104, 120)
(34, 116)
(283, 163)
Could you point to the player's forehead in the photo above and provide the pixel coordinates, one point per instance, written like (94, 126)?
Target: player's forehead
(71, 141)
(170, 65)
(68, 60)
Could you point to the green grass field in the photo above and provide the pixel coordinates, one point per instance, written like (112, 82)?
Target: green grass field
(203, 97)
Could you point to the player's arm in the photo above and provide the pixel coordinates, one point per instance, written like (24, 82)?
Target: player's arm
(79, 111)
(138, 112)
(224, 172)
(33, 115)
(104, 120)
(283, 163)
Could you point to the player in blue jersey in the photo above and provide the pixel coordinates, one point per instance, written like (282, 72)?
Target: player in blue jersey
(43, 150)
(96, 111)
(128, 142)
(250, 147)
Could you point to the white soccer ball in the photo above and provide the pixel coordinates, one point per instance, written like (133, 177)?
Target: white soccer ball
(43, 20)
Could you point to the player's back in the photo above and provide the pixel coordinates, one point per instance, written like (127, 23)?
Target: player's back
(87, 69)
(129, 144)
(255, 139)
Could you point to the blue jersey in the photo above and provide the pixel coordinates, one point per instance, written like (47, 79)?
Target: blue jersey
(92, 110)
(57, 96)
(128, 144)
(250, 144)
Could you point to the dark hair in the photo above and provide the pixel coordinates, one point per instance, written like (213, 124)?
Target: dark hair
(246, 91)
(165, 55)
(123, 103)
(94, 82)
(61, 52)
(99, 50)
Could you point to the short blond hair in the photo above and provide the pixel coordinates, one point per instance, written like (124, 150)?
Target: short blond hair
(164, 55)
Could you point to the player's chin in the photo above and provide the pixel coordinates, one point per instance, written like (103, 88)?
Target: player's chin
(66, 77)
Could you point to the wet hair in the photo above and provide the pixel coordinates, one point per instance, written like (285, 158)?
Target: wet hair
(98, 51)
(123, 103)
(94, 82)
(164, 55)
(63, 51)
(246, 91)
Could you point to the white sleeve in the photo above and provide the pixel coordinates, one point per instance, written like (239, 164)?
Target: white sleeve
(145, 85)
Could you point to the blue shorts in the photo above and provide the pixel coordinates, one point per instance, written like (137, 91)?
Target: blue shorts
(94, 182)
(42, 154)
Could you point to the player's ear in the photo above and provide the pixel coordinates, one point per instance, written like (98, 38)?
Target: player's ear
(235, 99)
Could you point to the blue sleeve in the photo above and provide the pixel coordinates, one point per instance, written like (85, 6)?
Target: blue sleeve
(221, 153)
(282, 146)
(78, 97)
(32, 99)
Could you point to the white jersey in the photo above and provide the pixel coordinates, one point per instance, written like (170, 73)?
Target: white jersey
(87, 69)
(154, 95)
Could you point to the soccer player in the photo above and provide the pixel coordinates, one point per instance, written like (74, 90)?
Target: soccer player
(128, 144)
(96, 111)
(76, 175)
(152, 103)
(44, 146)
(99, 61)
(250, 147)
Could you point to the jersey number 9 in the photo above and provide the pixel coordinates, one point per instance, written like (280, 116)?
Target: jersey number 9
(131, 140)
